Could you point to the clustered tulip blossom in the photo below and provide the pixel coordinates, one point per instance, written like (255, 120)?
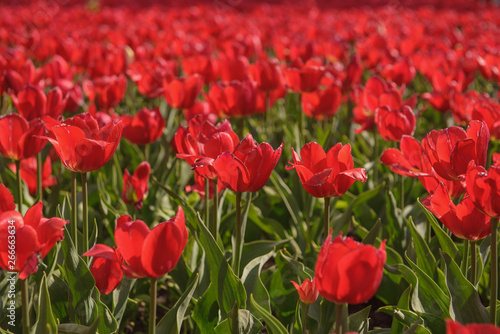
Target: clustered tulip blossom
(20, 139)
(135, 186)
(143, 128)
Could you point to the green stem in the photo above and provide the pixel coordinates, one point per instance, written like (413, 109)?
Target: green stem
(308, 225)
(338, 318)
(85, 222)
(215, 207)
(207, 200)
(473, 262)
(25, 301)
(465, 258)
(375, 156)
(152, 306)
(39, 169)
(74, 215)
(494, 272)
(145, 151)
(402, 193)
(241, 127)
(19, 187)
(237, 235)
(305, 309)
(326, 217)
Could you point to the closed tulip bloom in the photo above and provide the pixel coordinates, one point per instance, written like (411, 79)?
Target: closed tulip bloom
(135, 187)
(106, 267)
(34, 237)
(450, 150)
(453, 327)
(19, 139)
(143, 128)
(267, 74)
(107, 91)
(322, 103)
(483, 188)
(327, 174)
(233, 99)
(392, 124)
(80, 144)
(247, 168)
(463, 219)
(348, 271)
(6, 199)
(151, 253)
(233, 67)
(308, 292)
(300, 77)
(31, 102)
(181, 93)
(29, 173)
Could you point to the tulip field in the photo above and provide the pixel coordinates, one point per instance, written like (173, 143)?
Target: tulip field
(230, 166)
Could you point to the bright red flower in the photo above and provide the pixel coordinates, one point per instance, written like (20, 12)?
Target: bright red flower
(19, 138)
(483, 188)
(199, 186)
(308, 292)
(392, 124)
(107, 91)
(300, 77)
(463, 219)
(453, 327)
(106, 267)
(29, 173)
(206, 66)
(135, 187)
(80, 144)
(267, 74)
(233, 99)
(31, 102)
(6, 199)
(143, 128)
(322, 103)
(181, 93)
(327, 174)
(203, 109)
(247, 168)
(34, 237)
(401, 72)
(348, 271)
(233, 67)
(450, 150)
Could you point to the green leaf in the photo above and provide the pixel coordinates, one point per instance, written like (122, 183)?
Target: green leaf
(373, 234)
(287, 197)
(248, 324)
(358, 322)
(172, 321)
(206, 311)
(466, 306)
(425, 259)
(403, 304)
(120, 298)
(45, 322)
(252, 250)
(447, 245)
(272, 324)
(78, 329)
(253, 283)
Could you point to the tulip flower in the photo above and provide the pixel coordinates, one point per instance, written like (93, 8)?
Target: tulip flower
(34, 237)
(392, 124)
(106, 267)
(29, 174)
(19, 139)
(232, 67)
(206, 66)
(267, 74)
(135, 187)
(450, 150)
(106, 91)
(80, 144)
(322, 103)
(7, 202)
(454, 327)
(143, 128)
(181, 93)
(31, 102)
(233, 99)
(300, 77)
(308, 292)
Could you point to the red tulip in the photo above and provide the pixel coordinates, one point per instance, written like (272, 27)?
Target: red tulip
(463, 219)
(206, 66)
(31, 102)
(106, 267)
(233, 99)
(29, 169)
(267, 74)
(201, 108)
(450, 150)
(302, 77)
(392, 124)
(322, 103)
(19, 138)
(326, 174)
(106, 91)
(199, 186)
(400, 72)
(247, 168)
(34, 237)
(81, 145)
(308, 292)
(348, 271)
(453, 327)
(143, 128)
(6, 199)
(483, 188)
(181, 93)
(233, 67)
(135, 187)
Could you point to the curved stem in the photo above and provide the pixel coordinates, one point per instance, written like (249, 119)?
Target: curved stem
(25, 301)
(215, 207)
(74, 223)
(152, 306)
(338, 318)
(237, 235)
(326, 217)
(494, 272)
(473, 262)
(85, 222)
(19, 187)
(305, 309)
(39, 169)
